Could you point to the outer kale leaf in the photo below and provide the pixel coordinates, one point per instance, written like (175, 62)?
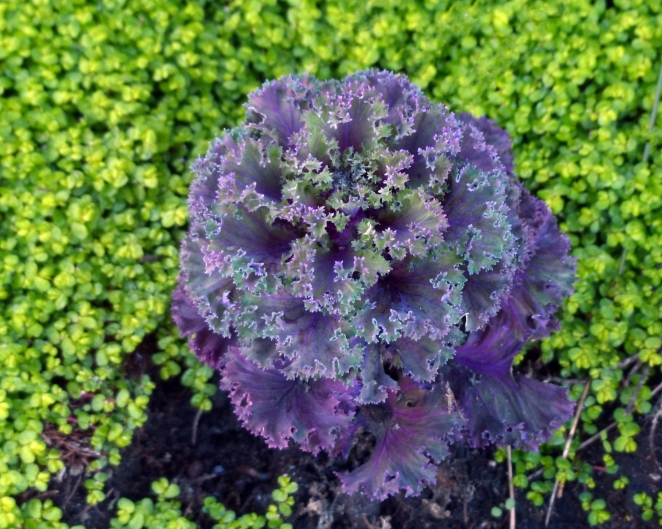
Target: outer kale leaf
(207, 345)
(313, 413)
(498, 406)
(546, 274)
(412, 428)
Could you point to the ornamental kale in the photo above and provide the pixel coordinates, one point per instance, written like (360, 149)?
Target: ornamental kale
(361, 259)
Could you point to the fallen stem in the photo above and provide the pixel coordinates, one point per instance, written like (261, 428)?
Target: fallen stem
(205, 477)
(566, 449)
(535, 474)
(595, 437)
(632, 372)
(194, 435)
(629, 360)
(559, 380)
(511, 489)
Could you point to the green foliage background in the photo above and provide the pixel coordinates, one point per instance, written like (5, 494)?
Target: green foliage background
(105, 103)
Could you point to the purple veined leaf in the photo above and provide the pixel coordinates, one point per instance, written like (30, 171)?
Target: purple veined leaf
(493, 135)
(248, 248)
(314, 342)
(207, 345)
(276, 107)
(351, 118)
(329, 284)
(317, 346)
(374, 380)
(551, 263)
(205, 187)
(412, 428)
(483, 294)
(547, 277)
(475, 150)
(255, 165)
(422, 358)
(263, 352)
(413, 225)
(477, 213)
(402, 98)
(528, 318)
(497, 406)
(212, 294)
(516, 194)
(433, 137)
(313, 413)
(417, 297)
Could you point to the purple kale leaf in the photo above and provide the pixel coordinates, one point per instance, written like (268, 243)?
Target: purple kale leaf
(360, 258)
(314, 413)
(412, 429)
(497, 405)
(208, 345)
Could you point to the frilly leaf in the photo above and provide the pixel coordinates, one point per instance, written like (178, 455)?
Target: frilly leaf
(247, 248)
(433, 137)
(413, 224)
(313, 341)
(499, 407)
(476, 150)
(325, 277)
(207, 345)
(494, 136)
(254, 167)
(477, 217)
(205, 186)
(276, 107)
(212, 294)
(374, 380)
(402, 98)
(412, 428)
(484, 293)
(547, 276)
(422, 358)
(351, 118)
(313, 413)
(418, 297)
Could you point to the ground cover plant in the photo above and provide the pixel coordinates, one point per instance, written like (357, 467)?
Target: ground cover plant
(105, 105)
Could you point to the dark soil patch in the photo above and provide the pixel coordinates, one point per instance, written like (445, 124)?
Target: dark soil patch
(240, 470)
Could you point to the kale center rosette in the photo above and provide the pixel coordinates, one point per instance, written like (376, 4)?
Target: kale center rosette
(360, 258)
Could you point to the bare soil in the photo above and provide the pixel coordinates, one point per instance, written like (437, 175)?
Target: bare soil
(239, 469)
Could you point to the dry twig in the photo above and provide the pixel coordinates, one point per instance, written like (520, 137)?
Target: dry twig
(559, 380)
(629, 360)
(566, 449)
(196, 421)
(632, 372)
